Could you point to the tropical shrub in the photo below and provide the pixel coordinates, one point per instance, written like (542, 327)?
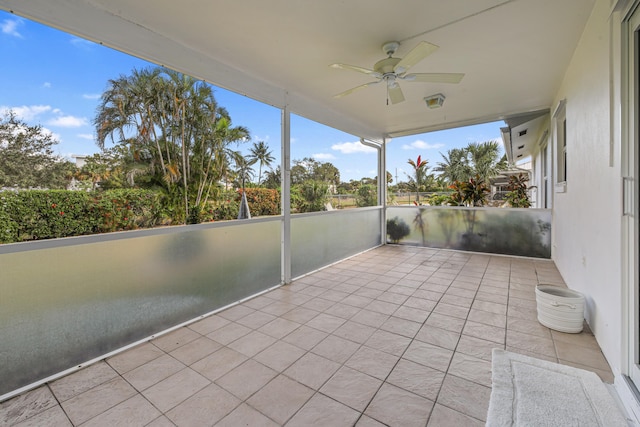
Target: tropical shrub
(397, 229)
(367, 195)
(310, 196)
(517, 196)
(47, 214)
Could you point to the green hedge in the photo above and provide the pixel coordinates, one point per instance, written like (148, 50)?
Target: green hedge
(262, 201)
(47, 214)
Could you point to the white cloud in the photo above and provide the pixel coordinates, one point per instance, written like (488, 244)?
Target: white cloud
(85, 136)
(10, 27)
(68, 121)
(26, 112)
(46, 85)
(323, 156)
(91, 96)
(81, 43)
(352, 147)
(421, 145)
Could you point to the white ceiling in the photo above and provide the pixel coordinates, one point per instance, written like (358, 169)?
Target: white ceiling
(513, 52)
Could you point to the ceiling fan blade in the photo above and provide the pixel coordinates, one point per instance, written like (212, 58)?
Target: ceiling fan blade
(415, 55)
(395, 94)
(434, 77)
(350, 91)
(356, 68)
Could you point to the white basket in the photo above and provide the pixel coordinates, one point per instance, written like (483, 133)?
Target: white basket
(560, 309)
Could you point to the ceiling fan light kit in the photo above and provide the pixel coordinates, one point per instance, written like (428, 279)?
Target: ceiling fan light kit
(391, 70)
(435, 101)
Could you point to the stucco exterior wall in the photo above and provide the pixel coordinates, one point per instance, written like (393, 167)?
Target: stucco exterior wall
(587, 217)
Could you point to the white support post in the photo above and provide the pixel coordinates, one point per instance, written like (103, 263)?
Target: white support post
(285, 197)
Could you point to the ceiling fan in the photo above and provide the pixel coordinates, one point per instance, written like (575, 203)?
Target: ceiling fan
(391, 70)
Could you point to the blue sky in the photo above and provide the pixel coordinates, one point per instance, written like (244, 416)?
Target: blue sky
(55, 79)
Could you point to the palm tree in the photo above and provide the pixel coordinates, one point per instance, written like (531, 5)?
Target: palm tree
(420, 169)
(172, 124)
(455, 165)
(244, 171)
(260, 152)
(485, 158)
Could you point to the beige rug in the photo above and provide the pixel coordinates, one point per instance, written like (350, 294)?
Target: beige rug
(532, 392)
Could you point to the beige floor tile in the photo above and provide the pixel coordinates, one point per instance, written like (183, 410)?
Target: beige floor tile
(488, 318)
(416, 378)
(388, 342)
(305, 337)
(312, 370)
(195, 350)
(279, 327)
(333, 295)
(175, 339)
(582, 355)
(300, 315)
(452, 297)
(352, 388)
(229, 333)
(526, 326)
(382, 307)
(256, 320)
(429, 355)
(471, 368)
(236, 312)
(279, 356)
(398, 407)
(400, 326)
(354, 331)
(175, 389)
(280, 399)
(219, 363)
(153, 372)
(93, 402)
(413, 314)
(491, 307)
(485, 332)
(498, 298)
(80, 381)
(372, 362)
(325, 322)
(320, 411)
(465, 396)
(584, 339)
(370, 318)
(136, 411)
(252, 343)
(26, 405)
(335, 348)
(206, 407)
(245, 415)
(439, 337)
(451, 310)
(393, 297)
(448, 323)
(134, 357)
(441, 416)
(344, 311)
(246, 379)
(357, 300)
(262, 301)
(532, 354)
(532, 343)
(52, 417)
(318, 304)
(209, 324)
(606, 376)
(161, 421)
(477, 347)
(425, 305)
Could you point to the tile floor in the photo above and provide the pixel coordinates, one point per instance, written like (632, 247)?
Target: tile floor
(395, 336)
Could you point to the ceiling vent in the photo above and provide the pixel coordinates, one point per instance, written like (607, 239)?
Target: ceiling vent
(520, 147)
(522, 132)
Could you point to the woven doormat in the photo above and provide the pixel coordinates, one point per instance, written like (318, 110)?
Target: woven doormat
(532, 392)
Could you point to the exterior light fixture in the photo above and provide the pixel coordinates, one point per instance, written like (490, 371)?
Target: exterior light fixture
(434, 101)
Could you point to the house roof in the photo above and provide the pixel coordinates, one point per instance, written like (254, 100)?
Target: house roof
(513, 52)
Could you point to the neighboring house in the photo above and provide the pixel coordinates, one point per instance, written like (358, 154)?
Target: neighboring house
(568, 93)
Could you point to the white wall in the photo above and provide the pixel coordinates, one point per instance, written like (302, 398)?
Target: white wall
(587, 217)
